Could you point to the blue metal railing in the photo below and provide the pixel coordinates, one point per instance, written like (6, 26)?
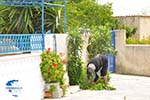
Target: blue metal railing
(27, 1)
(14, 43)
(18, 43)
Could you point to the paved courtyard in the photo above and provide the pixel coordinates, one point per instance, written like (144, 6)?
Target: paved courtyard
(128, 87)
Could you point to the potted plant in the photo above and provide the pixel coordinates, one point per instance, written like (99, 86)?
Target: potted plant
(52, 70)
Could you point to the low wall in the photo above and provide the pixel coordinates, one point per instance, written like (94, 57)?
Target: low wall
(21, 77)
(131, 59)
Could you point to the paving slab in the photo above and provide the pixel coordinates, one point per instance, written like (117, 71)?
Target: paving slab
(128, 87)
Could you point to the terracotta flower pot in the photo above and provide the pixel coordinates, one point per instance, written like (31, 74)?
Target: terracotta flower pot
(47, 94)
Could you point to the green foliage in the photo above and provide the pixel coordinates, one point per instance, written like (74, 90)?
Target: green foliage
(88, 12)
(129, 31)
(75, 1)
(16, 20)
(100, 42)
(145, 41)
(79, 12)
(132, 40)
(85, 83)
(102, 86)
(52, 88)
(52, 68)
(22, 20)
(74, 64)
(137, 41)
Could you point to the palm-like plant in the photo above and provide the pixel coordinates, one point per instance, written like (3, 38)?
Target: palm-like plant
(16, 20)
(22, 20)
(53, 20)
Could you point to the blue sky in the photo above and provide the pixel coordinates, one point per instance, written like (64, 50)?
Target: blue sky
(129, 7)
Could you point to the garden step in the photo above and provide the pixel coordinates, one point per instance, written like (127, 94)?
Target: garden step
(72, 89)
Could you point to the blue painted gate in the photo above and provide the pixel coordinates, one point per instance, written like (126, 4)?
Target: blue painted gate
(111, 57)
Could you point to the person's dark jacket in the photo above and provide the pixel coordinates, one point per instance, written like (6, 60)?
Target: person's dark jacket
(99, 61)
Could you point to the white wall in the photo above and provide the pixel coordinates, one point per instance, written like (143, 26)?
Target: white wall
(24, 68)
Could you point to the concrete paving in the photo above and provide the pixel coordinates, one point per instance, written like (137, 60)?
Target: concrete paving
(128, 87)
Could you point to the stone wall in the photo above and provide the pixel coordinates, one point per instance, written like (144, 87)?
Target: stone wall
(131, 59)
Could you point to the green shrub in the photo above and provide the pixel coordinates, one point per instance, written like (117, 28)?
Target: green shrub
(52, 88)
(100, 41)
(74, 64)
(132, 40)
(85, 83)
(129, 31)
(52, 68)
(145, 41)
(137, 41)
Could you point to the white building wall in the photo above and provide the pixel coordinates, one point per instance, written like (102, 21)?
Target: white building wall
(25, 68)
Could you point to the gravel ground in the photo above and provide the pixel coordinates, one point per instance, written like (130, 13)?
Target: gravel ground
(128, 87)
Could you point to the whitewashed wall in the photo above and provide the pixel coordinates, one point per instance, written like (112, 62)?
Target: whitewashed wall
(25, 68)
(61, 42)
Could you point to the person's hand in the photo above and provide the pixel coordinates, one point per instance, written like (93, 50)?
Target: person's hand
(93, 83)
(105, 80)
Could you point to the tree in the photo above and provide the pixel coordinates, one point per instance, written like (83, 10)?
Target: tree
(100, 41)
(89, 13)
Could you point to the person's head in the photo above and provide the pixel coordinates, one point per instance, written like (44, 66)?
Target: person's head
(91, 68)
(98, 55)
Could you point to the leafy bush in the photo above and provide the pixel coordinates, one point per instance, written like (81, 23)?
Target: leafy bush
(137, 41)
(82, 12)
(100, 42)
(85, 83)
(132, 40)
(52, 88)
(129, 31)
(52, 68)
